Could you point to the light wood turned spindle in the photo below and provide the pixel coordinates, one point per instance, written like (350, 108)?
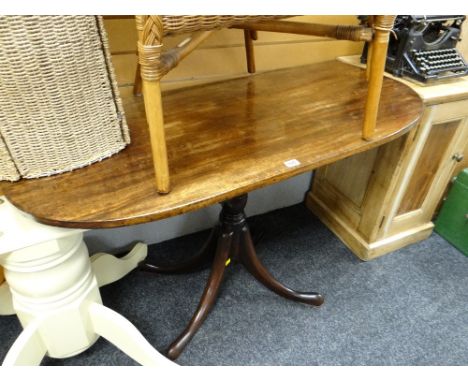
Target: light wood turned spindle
(370, 23)
(382, 26)
(150, 33)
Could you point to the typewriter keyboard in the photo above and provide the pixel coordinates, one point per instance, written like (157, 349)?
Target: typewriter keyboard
(435, 61)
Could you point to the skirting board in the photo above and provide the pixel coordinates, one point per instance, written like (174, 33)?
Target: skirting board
(354, 240)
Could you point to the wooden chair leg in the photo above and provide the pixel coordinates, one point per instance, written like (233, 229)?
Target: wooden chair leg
(369, 49)
(150, 32)
(249, 36)
(154, 116)
(382, 28)
(137, 85)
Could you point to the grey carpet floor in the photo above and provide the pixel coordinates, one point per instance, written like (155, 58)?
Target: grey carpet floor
(409, 307)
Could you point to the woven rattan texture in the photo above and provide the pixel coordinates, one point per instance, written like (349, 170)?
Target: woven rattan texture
(59, 103)
(7, 167)
(184, 24)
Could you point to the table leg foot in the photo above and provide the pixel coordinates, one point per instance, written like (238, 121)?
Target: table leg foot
(6, 302)
(204, 256)
(249, 259)
(208, 298)
(108, 268)
(28, 349)
(125, 336)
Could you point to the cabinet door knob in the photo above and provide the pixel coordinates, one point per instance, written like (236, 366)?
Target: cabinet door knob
(458, 157)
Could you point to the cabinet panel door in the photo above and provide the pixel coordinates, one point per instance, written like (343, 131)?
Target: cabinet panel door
(430, 160)
(447, 135)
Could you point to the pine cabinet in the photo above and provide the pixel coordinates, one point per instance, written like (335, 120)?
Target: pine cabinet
(385, 199)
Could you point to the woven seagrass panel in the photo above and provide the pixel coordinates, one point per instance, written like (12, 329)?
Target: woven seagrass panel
(59, 104)
(7, 167)
(185, 24)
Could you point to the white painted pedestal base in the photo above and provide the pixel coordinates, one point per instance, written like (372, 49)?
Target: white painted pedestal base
(53, 287)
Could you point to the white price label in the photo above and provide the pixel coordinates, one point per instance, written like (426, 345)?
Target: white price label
(292, 163)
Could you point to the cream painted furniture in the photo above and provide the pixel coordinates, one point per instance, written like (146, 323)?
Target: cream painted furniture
(53, 287)
(384, 199)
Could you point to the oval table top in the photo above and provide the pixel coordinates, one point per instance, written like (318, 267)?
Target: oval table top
(224, 139)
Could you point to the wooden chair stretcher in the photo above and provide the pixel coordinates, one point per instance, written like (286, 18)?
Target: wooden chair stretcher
(154, 63)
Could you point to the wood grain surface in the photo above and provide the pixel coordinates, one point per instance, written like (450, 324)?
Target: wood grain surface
(223, 140)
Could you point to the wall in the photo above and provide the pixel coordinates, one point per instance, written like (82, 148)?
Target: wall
(221, 56)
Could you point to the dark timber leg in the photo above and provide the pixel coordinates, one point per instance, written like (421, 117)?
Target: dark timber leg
(233, 242)
(249, 50)
(192, 264)
(249, 259)
(208, 298)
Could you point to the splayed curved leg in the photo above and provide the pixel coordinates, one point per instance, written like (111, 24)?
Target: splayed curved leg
(249, 259)
(108, 268)
(205, 256)
(28, 349)
(208, 298)
(125, 336)
(234, 243)
(6, 301)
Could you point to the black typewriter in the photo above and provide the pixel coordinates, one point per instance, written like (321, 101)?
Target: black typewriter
(424, 48)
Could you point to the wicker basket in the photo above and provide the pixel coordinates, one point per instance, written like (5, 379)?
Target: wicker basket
(59, 104)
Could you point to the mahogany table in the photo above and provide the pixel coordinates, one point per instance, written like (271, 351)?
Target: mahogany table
(224, 140)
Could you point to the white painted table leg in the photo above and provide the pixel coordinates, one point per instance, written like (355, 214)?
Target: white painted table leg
(56, 296)
(28, 349)
(6, 302)
(122, 333)
(108, 268)
(52, 282)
